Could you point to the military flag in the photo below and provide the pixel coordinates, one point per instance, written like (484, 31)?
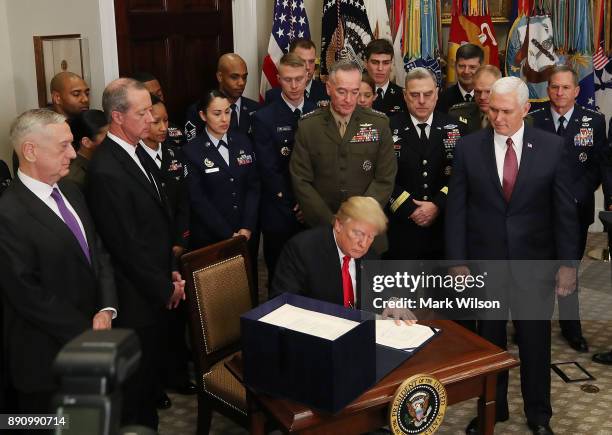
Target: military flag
(345, 32)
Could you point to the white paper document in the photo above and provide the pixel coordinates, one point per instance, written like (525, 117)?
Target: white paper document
(403, 337)
(309, 322)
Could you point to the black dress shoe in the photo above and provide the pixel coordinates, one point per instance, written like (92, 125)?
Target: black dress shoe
(540, 429)
(187, 389)
(472, 428)
(164, 402)
(578, 343)
(603, 358)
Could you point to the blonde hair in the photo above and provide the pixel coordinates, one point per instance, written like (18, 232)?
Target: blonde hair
(363, 209)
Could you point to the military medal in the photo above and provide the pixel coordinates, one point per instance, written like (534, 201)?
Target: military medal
(582, 157)
(367, 165)
(285, 151)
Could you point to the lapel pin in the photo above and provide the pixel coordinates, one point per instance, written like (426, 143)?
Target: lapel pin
(529, 145)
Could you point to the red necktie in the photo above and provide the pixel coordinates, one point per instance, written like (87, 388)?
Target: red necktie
(510, 170)
(347, 283)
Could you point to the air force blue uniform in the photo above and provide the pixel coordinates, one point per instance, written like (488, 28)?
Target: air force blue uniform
(224, 197)
(274, 128)
(316, 95)
(194, 125)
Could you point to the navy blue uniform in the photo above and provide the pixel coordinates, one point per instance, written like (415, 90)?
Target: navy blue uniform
(274, 128)
(317, 94)
(392, 101)
(585, 140)
(423, 171)
(194, 125)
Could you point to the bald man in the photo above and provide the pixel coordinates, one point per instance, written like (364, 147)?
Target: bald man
(69, 94)
(232, 76)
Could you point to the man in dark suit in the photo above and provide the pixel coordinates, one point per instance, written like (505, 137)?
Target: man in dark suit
(509, 200)
(56, 280)
(5, 176)
(584, 132)
(424, 143)
(232, 76)
(129, 204)
(274, 128)
(379, 62)
(314, 91)
(469, 58)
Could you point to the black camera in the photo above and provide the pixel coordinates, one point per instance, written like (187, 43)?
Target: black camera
(91, 369)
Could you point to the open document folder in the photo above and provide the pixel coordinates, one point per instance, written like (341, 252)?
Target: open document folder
(403, 337)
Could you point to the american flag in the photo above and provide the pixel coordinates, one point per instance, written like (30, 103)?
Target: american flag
(600, 60)
(290, 22)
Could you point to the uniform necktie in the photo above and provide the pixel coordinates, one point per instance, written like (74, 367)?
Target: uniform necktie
(145, 161)
(297, 113)
(234, 119)
(468, 98)
(561, 129)
(347, 283)
(510, 170)
(423, 134)
(380, 93)
(223, 150)
(341, 128)
(70, 220)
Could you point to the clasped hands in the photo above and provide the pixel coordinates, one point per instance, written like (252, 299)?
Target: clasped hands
(425, 213)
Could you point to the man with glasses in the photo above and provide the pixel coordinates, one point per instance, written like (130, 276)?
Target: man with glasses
(274, 129)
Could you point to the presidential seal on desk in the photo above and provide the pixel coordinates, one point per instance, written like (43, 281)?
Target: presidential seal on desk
(418, 406)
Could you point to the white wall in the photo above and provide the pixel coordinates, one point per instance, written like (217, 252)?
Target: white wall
(7, 92)
(20, 20)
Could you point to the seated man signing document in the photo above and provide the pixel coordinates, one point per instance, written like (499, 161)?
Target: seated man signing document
(323, 262)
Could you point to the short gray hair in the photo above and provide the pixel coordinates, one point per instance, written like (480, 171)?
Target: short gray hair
(506, 85)
(115, 94)
(32, 121)
(342, 65)
(420, 73)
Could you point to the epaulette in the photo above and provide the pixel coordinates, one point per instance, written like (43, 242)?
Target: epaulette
(317, 111)
(377, 113)
(462, 105)
(536, 111)
(588, 109)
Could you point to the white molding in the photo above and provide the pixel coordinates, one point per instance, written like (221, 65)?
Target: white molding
(108, 35)
(244, 20)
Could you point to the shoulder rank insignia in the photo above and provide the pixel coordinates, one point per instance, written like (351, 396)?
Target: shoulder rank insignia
(463, 119)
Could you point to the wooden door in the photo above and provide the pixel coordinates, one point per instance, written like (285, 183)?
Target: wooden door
(179, 41)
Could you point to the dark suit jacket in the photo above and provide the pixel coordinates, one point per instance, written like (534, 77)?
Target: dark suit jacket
(539, 223)
(309, 266)
(582, 152)
(137, 229)
(318, 93)
(274, 129)
(392, 102)
(194, 126)
(223, 198)
(5, 177)
(51, 292)
(449, 98)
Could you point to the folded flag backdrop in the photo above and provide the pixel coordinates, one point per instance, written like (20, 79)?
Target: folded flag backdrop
(289, 22)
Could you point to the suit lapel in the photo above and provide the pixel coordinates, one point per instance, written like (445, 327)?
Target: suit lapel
(526, 164)
(352, 127)
(331, 129)
(412, 136)
(233, 148)
(488, 154)
(81, 210)
(573, 126)
(43, 214)
(435, 136)
(210, 152)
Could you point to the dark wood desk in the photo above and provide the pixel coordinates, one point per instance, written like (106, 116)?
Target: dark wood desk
(466, 364)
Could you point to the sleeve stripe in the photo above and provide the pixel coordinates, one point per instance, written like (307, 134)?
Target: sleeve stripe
(399, 201)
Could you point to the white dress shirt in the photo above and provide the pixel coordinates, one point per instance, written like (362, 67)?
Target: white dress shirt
(223, 150)
(556, 116)
(384, 89)
(291, 106)
(464, 92)
(43, 192)
(416, 122)
(156, 155)
(352, 267)
(501, 147)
